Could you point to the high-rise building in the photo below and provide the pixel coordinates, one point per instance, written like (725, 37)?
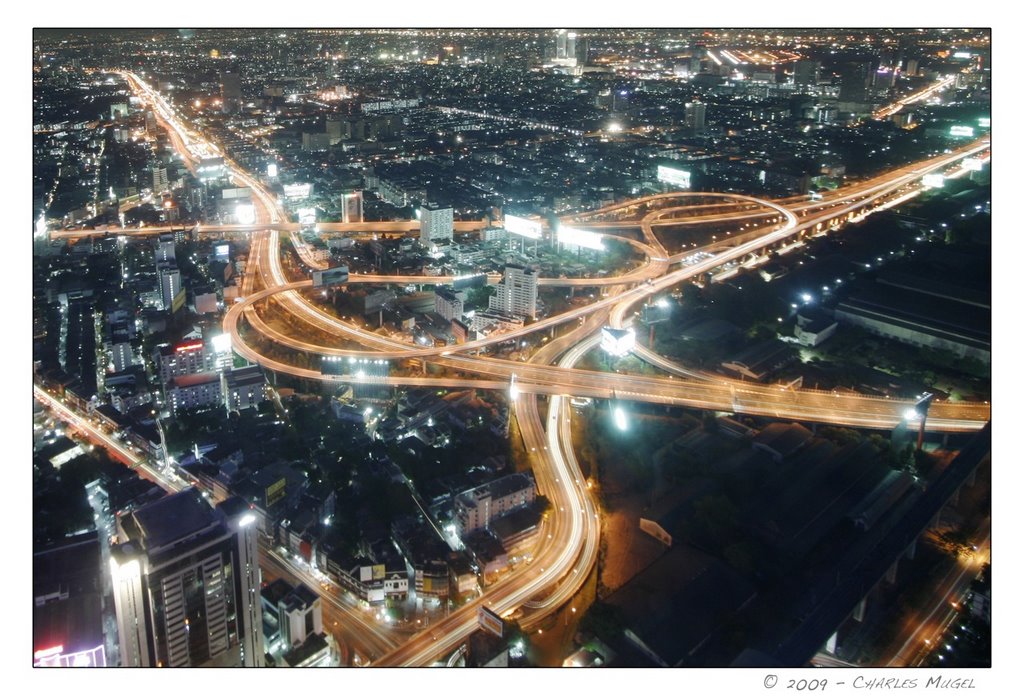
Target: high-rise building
(436, 224)
(561, 40)
(159, 173)
(853, 82)
(187, 584)
(517, 293)
(352, 207)
(230, 92)
(806, 73)
(912, 67)
(695, 116)
(172, 295)
(165, 249)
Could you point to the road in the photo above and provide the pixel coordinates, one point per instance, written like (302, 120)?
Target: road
(540, 586)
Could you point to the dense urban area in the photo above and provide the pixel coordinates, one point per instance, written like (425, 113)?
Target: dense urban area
(539, 347)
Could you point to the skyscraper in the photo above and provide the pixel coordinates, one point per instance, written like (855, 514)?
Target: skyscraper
(517, 293)
(853, 82)
(186, 584)
(230, 92)
(170, 285)
(806, 73)
(435, 224)
(695, 116)
(159, 178)
(561, 41)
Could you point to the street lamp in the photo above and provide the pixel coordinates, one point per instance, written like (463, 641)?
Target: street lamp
(919, 413)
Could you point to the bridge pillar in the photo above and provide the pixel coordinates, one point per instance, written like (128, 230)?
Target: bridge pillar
(912, 550)
(858, 611)
(890, 575)
(971, 479)
(945, 441)
(832, 642)
(955, 498)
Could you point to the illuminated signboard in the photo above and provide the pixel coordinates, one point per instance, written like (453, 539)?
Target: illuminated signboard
(489, 621)
(271, 170)
(961, 131)
(222, 251)
(56, 657)
(275, 491)
(307, 216)
(523, 227)
(961, 54)
(332, 276)
(580, 238)
(245, 213)
(221, 343)
(933, 180)
(985, 122)
(297, 190)
(676, 177)
(617, 342)
(189, 345)
(973, 164)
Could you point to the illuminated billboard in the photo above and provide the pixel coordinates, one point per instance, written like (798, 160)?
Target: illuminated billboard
(973, 164)
(271, 170)
(489, 621)
(56, 657)
(961, 131)
(617, 342)
(933, 180)
(297, 191)
(523, 227)
(332, 276)
(307, 216)
(222, 251)
(245, 213)
(676, 177)
(221, 343)
(580, 238)
(985, 122)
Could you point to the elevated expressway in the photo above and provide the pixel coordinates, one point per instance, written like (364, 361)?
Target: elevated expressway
(561, 564)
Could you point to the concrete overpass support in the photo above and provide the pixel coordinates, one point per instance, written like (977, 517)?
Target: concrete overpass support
(890, 575)
(833, 641)
(971, 478)
(911, 550)
(858, 611)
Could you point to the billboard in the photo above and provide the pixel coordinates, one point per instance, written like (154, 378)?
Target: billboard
(676, 177)
(307, 216)
(221, 343)
(933, 180)
(489, 621)
(245, 213)
(973, 164)
(222, 251)
(617, 342)
(961, 131)
(298, 191)
(523, 227)
(271, 170)
(332, 276)
(275, 491)
(580, 238)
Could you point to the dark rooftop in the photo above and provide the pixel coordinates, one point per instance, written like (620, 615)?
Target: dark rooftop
(173, 518)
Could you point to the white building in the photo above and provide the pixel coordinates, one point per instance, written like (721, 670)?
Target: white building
(517, 293)
(172, 295)
(449, 304)
(193, 391)
(436, 224)
(160, 183)
(475, 508)
(244, 388)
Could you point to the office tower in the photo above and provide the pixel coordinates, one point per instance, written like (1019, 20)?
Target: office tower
(570, 45)
(806, 73)
(186, 584)
(561, 39)
(583, 51)
(165, 249)
(517, 293)
(853, 82)
(695, 116)
(230, 92)
(435, 224)
(912, 67)
(170, 286)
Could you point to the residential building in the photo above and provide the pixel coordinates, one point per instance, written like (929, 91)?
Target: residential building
(193, 391)
(517, 293)
(475, 508)
(435, 224)
(448, 304)
(244, 387)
